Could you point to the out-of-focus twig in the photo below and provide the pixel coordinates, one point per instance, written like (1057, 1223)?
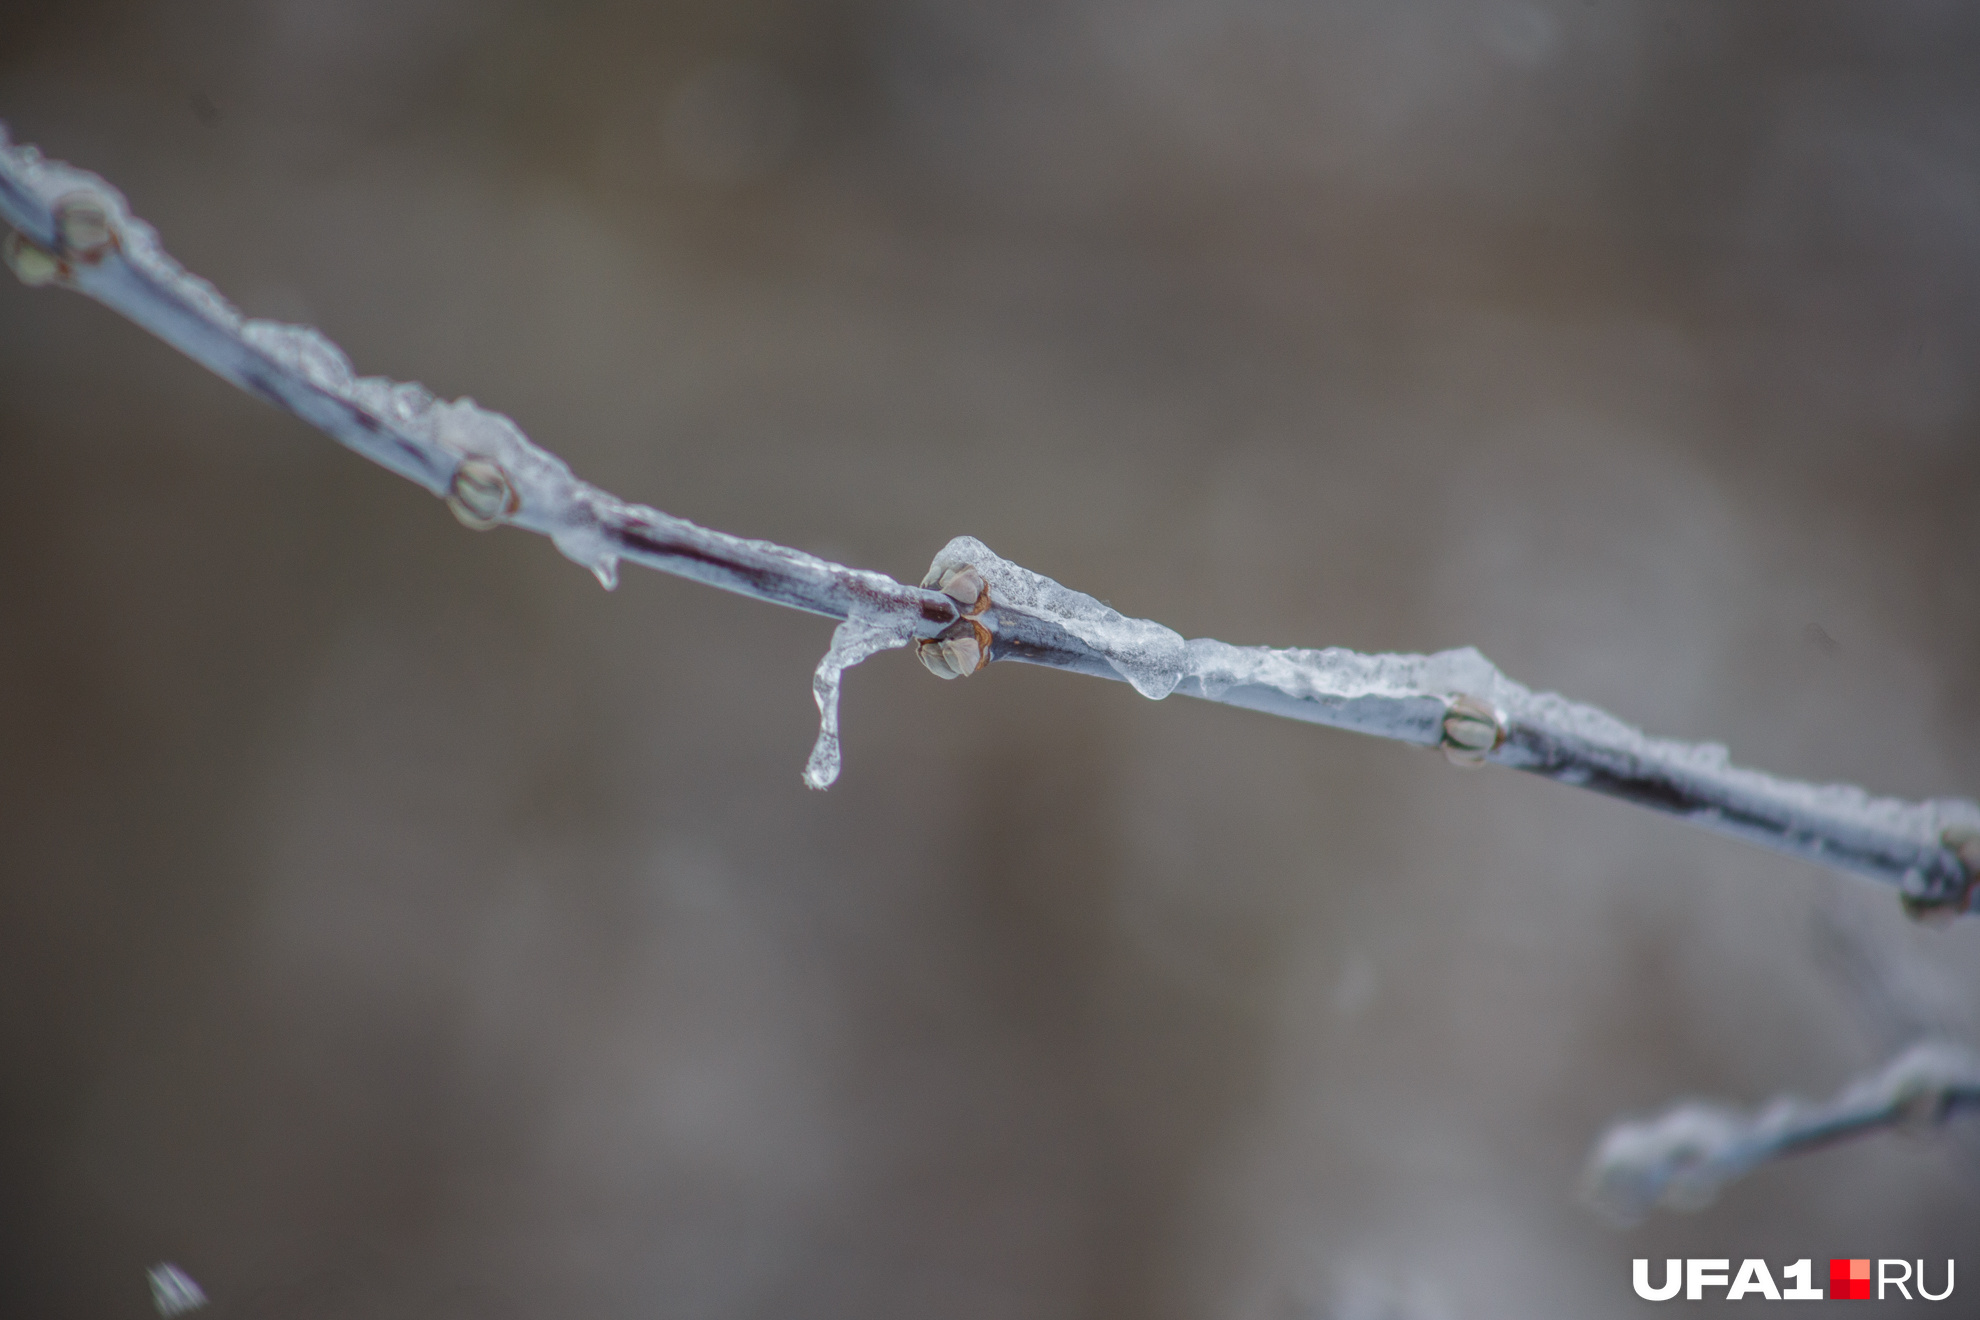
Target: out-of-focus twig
(173, 1291)
(1683, 1157)
(973, 607)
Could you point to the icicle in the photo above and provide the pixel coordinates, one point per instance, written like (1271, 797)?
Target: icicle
(858, 637)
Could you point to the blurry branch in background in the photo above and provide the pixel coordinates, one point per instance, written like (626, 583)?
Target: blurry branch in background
(173, 1291)
(1681, 1159)
(1900, 997)
(973, 607)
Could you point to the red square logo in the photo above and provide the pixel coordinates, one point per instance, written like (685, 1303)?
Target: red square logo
(1849, 1280)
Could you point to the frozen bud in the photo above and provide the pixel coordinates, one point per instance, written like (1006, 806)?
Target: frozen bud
(481, 496)
(959, 652)
(1472, 728)
(964, 585)
(84, 227)
(35, 265)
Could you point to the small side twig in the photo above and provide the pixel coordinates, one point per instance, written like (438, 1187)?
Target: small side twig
(1684, 1157)
(973, 607)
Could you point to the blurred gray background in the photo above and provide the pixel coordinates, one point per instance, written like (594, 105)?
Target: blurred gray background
(393, 924)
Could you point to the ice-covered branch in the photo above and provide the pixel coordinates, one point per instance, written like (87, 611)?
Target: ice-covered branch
(1681, 1159)
(972, 607)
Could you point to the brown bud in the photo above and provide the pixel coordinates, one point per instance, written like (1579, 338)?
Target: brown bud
(964, 585)
(961, 650)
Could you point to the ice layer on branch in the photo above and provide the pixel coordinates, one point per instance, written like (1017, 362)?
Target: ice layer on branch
(75, 230)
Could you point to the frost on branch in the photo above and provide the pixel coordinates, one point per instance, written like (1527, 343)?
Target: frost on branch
(1682, 1159)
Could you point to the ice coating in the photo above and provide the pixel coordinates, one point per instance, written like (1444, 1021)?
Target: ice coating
(1391, 696)
(1930, 850)
(1406, 697)
(1403, 696)
(553, 501)
(50, 182)
(1149, 656)
(860, 636)
(1683, 1158)
(1157, 661)
(405, 428)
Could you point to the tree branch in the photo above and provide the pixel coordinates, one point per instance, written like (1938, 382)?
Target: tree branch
(1682, 1158)
(973, 607)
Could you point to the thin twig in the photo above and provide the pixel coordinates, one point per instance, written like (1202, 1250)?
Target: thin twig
(1682, 1158)
(973, 607)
